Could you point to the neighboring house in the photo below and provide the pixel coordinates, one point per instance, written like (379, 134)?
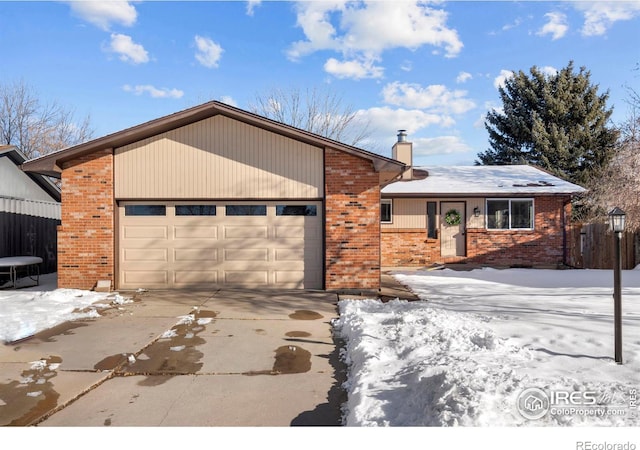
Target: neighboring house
(493, 215)
(29, 211)
(218, 195)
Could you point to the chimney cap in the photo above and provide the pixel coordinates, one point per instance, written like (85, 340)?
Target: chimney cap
(402, 135)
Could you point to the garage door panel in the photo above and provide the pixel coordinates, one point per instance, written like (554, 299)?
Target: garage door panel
(146, 277)
(289, 232)
(195, 277)
(145, 232)
(195, 232)
(289, 254)
(243, 254)
(246, 277)
(146, 254)
(245, 232)
(195, 254)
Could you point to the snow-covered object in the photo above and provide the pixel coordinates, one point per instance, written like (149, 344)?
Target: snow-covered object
(480, 338)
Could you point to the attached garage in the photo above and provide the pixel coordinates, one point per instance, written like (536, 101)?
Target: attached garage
(259, 244)
(217, 196)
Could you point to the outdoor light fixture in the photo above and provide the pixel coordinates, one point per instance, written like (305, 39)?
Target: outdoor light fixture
(476, 211)
(616, 221)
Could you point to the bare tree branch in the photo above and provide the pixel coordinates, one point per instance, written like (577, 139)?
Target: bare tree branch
(34, 127)
(319, 111)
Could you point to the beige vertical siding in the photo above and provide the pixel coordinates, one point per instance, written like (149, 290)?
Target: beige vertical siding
(412, 212)
(218, 158)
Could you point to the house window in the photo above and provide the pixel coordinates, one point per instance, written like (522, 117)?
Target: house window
(296, 210)
(195, 210)
(510, 214)
(145, 210)
(432, 227)
(386, 211)
(246, 210)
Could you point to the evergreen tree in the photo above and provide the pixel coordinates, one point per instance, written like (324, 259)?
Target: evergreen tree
(558, 122)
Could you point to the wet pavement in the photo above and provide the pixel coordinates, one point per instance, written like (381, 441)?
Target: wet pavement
(182, 358)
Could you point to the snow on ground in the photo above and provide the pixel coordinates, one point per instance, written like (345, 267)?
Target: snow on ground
(463, 355)
(478, 339)
(26, 311)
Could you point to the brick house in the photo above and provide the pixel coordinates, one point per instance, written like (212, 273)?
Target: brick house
(491, 215)
(217, 195)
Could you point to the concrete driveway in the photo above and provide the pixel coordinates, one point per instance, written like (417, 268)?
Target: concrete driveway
(182, 358)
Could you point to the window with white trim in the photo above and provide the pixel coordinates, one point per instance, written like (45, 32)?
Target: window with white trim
(386, 211)
(510, 214)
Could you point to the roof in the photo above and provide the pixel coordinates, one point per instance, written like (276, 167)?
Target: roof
(18, 158)
(51, 164)
(482, 180)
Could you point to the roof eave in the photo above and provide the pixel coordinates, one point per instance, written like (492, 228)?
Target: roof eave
(477, 194)
(18, 158)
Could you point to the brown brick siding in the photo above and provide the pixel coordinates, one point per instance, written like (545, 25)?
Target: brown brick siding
(545, 245)
(408, 247)
(352, 222)
(86, 234)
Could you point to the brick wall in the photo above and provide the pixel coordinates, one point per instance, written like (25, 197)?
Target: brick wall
(408, 247)
(545, 245)
(542, 246)
(86, 235)
(352, 222)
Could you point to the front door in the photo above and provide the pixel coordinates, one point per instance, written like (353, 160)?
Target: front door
(452, 229)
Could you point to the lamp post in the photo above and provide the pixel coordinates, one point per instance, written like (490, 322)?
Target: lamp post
(616, 221)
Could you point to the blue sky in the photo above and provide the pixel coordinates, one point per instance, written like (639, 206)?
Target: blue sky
(429, 67)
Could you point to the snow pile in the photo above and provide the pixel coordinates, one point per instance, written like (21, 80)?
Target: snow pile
(465, 356)
(24, 313)
(413, 365)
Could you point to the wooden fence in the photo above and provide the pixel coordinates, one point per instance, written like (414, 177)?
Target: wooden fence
(591, 246)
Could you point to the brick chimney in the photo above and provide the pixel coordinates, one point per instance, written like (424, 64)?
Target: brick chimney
(402, 151)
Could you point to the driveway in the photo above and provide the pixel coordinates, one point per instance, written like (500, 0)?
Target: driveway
(182, 358)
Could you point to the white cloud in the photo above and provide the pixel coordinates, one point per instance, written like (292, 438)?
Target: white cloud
(463, 77)
(515, 24)
(441, 145)
(128, 50)
(251, 6)
(362, 31)
(228, 100)
(153, 91)
(548, 71)
(600, 16)
(556, 26)
(407, 66)
(386, 121)
(436, 98)
(499, 81)
(209, 52)
(355, 69)
(104, 13)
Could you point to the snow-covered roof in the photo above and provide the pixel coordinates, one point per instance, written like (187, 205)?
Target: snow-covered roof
(485, 180)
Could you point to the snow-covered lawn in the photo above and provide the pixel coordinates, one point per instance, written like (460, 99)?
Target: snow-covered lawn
(479, 339)
(24, 312)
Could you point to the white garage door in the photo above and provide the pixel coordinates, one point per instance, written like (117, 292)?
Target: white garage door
(257, 244)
